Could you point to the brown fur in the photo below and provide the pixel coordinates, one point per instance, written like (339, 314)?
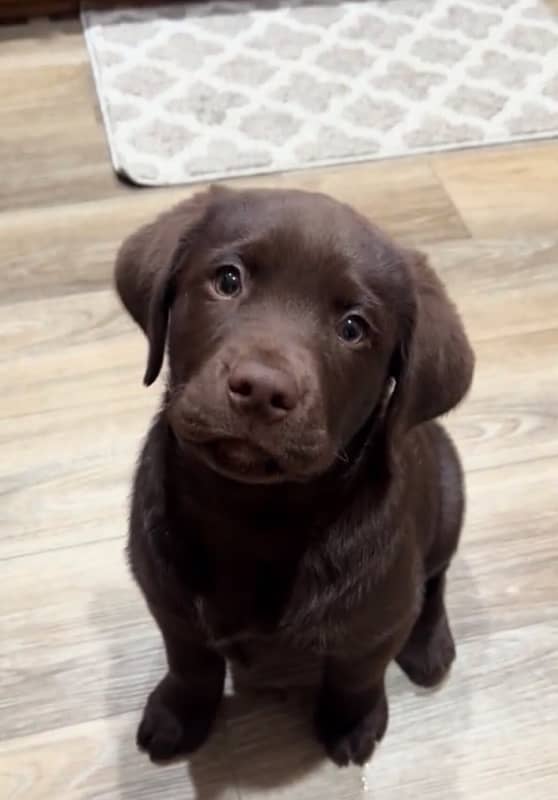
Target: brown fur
(295, 507)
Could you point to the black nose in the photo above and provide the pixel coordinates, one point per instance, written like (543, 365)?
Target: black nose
(257, 389)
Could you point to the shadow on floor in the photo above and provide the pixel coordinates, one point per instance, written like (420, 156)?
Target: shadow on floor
(259, 744)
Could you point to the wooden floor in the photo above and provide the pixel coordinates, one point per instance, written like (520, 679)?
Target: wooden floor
(78, 652)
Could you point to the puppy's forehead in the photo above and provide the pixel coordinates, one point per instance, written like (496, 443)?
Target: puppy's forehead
(263, 213)
(298, 226)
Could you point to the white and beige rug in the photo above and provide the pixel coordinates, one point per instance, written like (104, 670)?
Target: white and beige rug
(208, 90)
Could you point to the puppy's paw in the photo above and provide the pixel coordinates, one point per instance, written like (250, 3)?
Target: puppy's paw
(428, 655)
(173, 724)
(354, 743)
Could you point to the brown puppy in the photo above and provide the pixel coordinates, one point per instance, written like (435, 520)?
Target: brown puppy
(294, 509)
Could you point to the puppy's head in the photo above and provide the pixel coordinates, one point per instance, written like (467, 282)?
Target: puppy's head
(294, 327)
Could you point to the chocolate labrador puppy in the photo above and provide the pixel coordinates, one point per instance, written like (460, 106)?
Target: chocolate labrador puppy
(294, 509)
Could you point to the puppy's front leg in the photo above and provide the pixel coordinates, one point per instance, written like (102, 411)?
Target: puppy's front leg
(180, 711)
(352, 711)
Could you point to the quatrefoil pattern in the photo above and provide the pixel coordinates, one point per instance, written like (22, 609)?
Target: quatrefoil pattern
(203, 91)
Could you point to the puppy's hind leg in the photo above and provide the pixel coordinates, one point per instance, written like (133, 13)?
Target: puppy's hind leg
(430, 650)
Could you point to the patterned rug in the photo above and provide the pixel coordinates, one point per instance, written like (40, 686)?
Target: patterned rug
(202, 91)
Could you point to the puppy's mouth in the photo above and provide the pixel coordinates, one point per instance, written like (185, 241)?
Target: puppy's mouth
(240, 456)
(242, 461)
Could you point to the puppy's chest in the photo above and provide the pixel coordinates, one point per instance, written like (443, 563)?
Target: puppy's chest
(242, 601)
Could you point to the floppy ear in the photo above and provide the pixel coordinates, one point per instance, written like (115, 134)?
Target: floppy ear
(433, 364)
(146, 265)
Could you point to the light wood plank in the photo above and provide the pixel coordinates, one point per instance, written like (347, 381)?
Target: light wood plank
(64, 163)
(98, 761)
(502, 287)
(41, 42)
(71, 248)
(78, 644)
(503, 191)
(49, 117)
(53, 85)
(510, 415)
(490, 732)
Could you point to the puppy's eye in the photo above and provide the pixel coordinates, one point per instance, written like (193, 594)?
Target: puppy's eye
(228, 281)
(352, 329)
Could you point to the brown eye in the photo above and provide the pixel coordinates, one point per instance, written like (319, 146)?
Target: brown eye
(353, 329)
(228, 281)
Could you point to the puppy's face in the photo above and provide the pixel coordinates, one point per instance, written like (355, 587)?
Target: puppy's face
(289, 318)
(284, 317)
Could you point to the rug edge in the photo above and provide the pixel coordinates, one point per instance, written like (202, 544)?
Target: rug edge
(460, 147)
(118, 166)
(126, 173)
